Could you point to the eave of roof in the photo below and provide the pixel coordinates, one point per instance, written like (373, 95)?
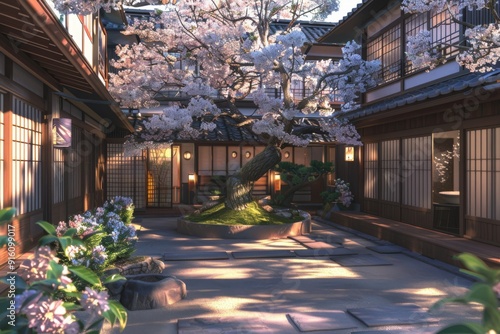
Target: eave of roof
(32, 36)
(351, 26)
(441, 90)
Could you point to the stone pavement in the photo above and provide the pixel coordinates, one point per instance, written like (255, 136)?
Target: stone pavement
(330, 281)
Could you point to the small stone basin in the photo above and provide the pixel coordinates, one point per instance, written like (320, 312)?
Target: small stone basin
(150, 291)
(451, 197)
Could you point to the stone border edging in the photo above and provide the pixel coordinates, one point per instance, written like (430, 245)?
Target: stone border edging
(256, 232)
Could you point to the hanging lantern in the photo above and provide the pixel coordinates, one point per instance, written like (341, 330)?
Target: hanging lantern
(61, 132)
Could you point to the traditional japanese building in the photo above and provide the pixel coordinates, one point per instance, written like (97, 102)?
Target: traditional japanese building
(55, 115)
(431, 153)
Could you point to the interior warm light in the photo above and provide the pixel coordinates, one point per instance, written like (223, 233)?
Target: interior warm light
(191, 177)
(187, 155)
(248, 154)
(349, 153)
(234, 154)
(287, 155)
(277, 182)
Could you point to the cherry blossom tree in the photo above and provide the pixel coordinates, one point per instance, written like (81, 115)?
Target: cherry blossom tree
(480, 47)
(201, 59)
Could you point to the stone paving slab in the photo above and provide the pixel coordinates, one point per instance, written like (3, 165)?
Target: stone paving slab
(321, 321)
(258, 254)
(221, 326)
(192, 256)
(405, 314)
(319, 244)
(360, 260)
(321, 252)
(386, 249)
(303, 239)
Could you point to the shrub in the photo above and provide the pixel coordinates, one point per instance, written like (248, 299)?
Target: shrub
(42, 286)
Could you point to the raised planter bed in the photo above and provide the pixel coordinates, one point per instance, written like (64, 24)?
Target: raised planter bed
(256, 232)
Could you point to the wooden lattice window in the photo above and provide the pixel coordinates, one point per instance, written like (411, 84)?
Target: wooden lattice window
(389, 167)
(445, 34)
(26, 157)
(58, 176)
(483, 173)
(371, 170)
(416, 172)
(386, 47)
(126, 175)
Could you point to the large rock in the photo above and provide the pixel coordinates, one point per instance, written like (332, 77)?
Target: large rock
(149, 291)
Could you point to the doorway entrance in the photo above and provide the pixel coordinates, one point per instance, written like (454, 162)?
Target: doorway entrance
(445, 181)
(163, 173)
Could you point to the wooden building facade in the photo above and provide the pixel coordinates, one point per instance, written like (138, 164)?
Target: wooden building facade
(431, 153)
(52, 68)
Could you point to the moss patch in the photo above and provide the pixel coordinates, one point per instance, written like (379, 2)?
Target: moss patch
(252, 215)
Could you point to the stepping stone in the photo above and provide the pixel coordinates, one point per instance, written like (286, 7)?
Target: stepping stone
(321, 321)
(406, 314)
(263, 254)
(386, 249)
(302, 239)
(360, 260)
(221, 326)
(324, 252)
(191, 256)
(319, 244)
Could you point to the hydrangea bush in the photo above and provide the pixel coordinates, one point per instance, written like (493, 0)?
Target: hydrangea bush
(339, 193)
(106, 233)
(43, 297)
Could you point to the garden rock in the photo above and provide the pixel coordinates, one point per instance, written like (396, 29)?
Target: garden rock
(150, 291)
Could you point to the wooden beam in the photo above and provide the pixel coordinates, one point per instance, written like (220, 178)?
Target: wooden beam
(10, 50)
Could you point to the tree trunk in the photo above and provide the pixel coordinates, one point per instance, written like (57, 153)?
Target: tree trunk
(239, 186)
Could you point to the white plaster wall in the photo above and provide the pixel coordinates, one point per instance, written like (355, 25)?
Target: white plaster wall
(75, 29)
(380, 93)
(437, 73)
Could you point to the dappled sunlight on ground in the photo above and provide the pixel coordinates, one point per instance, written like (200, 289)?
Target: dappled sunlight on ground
(266, 289)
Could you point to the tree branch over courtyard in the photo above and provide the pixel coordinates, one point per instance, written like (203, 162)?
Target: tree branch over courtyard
(480, 44)
(219, 53)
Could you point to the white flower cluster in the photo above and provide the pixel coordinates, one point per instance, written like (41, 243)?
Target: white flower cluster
(485, 48)
(84, 7)
(482, 47)
(420, 51)
(421, 6)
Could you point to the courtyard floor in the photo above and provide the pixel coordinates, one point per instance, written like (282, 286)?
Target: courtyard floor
(331, 281)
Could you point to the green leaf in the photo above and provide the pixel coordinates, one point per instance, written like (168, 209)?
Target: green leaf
(491, 318)
(72, 306)
(467, 328)
(86, 274)
(477, 266)
(47, 239)
(48, 227)
(114, 278)
(482, 293)
(116, 312)
(55, 270)
(70, 232)
(6, 215)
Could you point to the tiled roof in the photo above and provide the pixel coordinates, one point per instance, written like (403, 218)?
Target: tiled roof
(443, 88)
(312, 30)
(229, 130)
